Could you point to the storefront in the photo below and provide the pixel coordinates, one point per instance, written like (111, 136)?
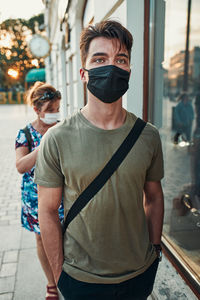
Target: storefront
(160, 72)
(181, 136)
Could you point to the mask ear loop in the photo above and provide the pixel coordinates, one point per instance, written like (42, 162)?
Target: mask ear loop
(85, 69)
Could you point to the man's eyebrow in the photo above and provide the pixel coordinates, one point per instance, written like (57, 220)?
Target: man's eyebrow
(105, 54)
(123, 54)
(100, 54)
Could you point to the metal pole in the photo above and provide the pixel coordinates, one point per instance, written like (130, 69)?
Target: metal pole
(185, 78)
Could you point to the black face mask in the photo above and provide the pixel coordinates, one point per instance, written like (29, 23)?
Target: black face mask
(108, 83)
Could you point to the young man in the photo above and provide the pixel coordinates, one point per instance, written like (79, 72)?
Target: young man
(109, 250)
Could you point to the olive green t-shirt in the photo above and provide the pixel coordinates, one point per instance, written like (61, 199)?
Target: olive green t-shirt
(108, 242)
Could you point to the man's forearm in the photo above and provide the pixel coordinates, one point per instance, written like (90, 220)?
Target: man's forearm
(51, 234)
(154, 211)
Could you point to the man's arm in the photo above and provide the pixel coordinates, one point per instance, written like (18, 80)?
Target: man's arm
(154, 209)
(49, 200)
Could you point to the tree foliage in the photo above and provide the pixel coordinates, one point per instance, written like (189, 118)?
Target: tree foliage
(14, 51)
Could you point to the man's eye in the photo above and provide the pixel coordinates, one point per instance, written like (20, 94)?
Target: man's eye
(99, 60)
(121, 61)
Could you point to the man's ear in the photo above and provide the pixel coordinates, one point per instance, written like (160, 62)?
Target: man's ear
(82, 74)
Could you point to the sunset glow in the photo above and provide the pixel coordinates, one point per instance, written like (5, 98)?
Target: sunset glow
(13, 73)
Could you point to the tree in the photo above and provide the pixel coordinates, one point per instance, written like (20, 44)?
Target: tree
(14, 52)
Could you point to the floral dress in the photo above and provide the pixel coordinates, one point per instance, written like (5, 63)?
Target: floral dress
(29, 197)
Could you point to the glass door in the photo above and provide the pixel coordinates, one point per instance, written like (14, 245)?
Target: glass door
(181, 132)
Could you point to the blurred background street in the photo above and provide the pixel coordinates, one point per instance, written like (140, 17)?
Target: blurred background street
(21, 276)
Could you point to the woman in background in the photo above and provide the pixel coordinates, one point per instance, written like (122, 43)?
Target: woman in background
(45, 101)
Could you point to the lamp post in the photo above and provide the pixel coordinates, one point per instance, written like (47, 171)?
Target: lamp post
(185, 78)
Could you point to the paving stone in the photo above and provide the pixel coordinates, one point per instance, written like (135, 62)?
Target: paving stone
(7, 284)
(6, 218)
(4, 222)
(10, 256)
(12, 206)
(28, 239)
(7, 296)
(29, 268)
(3, 213)
(15, 221)
(10, 235)
(3, 205)
(8, 269)
(1, 258)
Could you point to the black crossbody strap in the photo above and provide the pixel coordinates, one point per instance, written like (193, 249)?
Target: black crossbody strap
(28, 137)
(106, 173)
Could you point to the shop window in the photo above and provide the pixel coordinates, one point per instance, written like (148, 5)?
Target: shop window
(181, 132)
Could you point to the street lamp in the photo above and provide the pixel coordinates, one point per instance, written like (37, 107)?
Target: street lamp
(13, 73)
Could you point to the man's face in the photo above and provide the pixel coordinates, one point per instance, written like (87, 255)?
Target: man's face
(103, 52)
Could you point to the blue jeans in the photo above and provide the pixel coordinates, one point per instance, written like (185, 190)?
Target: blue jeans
(137, 288)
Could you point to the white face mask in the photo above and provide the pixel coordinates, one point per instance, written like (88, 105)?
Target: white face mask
(50, 118)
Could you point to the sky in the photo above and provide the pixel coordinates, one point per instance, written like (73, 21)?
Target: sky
(24, 9)
(175, 21)
(175, 26)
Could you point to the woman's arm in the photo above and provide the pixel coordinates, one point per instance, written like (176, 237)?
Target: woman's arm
(25, 161)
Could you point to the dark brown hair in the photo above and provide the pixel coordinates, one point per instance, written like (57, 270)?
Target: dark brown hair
(37, 91)
(108, 29)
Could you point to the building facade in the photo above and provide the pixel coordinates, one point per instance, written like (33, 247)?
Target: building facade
(176, 72)
(156, 44)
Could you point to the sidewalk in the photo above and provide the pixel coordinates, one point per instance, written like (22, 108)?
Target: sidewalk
(21, 276)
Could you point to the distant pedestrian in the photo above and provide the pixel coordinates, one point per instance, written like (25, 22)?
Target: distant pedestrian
(46, 103)
(184, 115)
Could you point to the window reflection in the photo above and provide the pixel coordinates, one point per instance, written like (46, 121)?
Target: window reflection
(181, 132)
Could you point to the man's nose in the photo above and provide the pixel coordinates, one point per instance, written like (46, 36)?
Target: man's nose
(112, 61)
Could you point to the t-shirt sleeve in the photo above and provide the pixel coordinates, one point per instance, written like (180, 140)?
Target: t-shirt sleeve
(21, 140)
(48, 170)
(155, 171)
